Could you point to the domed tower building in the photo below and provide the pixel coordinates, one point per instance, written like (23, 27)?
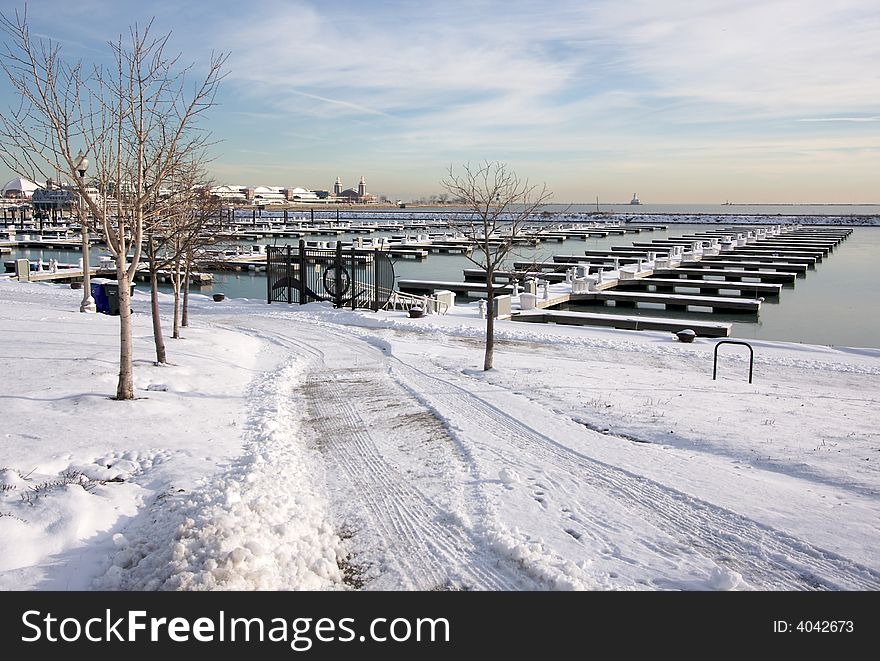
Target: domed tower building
(337, 187)
(359, 196)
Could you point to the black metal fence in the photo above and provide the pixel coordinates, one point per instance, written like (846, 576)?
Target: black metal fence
(347, 277)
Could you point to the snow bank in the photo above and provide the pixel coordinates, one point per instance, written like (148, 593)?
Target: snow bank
(259, 526)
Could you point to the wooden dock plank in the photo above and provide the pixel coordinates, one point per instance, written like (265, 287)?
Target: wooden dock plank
(700, 273)
(746, 266)
(434, 285)
(756, 288)
(717, 303)
(743, 256)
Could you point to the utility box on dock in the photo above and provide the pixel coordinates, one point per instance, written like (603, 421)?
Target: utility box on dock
(503, 306)
(22, 270)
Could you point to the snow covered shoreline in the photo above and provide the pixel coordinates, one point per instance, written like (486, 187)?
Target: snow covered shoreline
(310, 448)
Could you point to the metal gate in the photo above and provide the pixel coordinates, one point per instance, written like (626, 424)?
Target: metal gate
(347, 277)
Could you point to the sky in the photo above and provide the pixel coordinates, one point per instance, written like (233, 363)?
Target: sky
(747, 101)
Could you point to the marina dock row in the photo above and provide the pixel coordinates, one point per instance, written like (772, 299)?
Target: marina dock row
(725, 270)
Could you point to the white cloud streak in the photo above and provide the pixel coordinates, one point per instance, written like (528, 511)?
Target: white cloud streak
(840, 119)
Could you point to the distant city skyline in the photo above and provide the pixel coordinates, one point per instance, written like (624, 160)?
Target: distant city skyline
(771, 101)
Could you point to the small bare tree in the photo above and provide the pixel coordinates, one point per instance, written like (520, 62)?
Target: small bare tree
(499, 204)
(194, 217)
(136, 120)
(175, 230)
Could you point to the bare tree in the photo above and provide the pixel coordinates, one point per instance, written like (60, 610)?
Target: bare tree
(499, 205)
(174, 231)
(136, 120)
(193, 219)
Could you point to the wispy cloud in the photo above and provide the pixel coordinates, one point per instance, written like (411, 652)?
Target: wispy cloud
(840, 119)
(338, 102)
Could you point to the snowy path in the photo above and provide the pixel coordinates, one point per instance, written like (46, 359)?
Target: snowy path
(414, 542)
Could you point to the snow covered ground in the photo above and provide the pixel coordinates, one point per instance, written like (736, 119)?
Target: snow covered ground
(310, 448)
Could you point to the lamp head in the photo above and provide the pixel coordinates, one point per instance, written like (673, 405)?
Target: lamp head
(82, 164)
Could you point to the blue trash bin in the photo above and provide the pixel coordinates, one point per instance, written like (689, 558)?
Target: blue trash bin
(99, 293)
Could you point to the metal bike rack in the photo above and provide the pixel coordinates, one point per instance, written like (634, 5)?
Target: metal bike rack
(745, 344)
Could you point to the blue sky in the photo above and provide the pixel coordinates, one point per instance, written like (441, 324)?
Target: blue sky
(679, 101)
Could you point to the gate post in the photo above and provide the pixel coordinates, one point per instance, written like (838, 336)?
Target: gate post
(352, 269)
(376, 280)
(268, 274)
(302, 272)
(338, 274)
(288, 261)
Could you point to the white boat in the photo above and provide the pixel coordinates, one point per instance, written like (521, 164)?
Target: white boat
(635, 199)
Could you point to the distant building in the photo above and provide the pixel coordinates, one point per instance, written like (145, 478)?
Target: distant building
(297, 194)
(45, 199)
(19, 188)
(267, 195)
(351, 196)
(229, 193)
(263, 195)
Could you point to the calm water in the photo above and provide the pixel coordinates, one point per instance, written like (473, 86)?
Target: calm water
(624, 207)
(836, 304)
(741, 209)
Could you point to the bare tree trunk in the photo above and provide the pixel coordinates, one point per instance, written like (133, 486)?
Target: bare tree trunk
(186, 275)
(158, 339)
(175, 280)
(490, 320)
(125, 386)
(153, 265)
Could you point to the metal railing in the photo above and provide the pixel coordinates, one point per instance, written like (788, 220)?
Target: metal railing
(403, 301)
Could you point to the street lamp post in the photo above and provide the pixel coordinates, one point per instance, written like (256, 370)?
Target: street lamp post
(88, 303)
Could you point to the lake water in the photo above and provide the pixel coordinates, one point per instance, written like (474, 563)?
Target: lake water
(838, 303)
(739, 209)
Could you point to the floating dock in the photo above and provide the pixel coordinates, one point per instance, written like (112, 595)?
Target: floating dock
(430, 286)
(751, 289)
(679, 301)
(728, 274)
(701, 328)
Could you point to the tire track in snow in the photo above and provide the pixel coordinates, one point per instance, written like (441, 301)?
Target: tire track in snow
(430, 550)
(766, 557)
(434, 552)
